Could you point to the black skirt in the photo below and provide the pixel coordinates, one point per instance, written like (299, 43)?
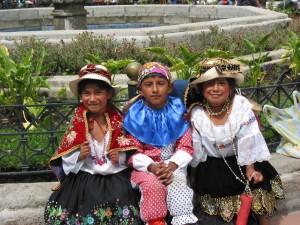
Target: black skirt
(218, 191)
(93, 199)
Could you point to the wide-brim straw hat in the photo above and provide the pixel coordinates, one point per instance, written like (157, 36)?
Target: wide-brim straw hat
(219, 68)
(211, 69)
(93, 72)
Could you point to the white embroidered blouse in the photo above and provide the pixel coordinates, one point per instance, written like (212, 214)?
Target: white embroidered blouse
(95, 163)
(242, 124)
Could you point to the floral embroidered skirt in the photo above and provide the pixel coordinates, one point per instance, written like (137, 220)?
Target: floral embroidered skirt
(218, 191)
(93, 199)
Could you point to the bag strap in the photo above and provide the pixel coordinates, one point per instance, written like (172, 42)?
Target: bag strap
(296, 98)
(267, 110)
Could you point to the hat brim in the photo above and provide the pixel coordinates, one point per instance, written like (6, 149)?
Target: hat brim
(255, 106)
(213, 73)
(73, 85)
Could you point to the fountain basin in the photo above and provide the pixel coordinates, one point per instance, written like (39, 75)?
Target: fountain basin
(181, 22)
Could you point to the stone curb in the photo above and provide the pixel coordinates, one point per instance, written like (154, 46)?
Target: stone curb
(23, 203)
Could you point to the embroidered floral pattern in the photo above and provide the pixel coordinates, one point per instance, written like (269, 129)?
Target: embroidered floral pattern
(71, 137)
(222, 146)
(102, 214)
(116, 124)
(227, 207)
(123, 140)
(249, 121)
(70, 134)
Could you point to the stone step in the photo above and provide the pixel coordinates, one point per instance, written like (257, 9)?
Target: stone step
(23, 203)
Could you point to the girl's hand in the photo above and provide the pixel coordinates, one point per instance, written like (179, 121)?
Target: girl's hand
(255, 176)
(85, 150)
(113, 156)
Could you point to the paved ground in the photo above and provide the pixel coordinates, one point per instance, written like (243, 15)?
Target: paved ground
(288, 209)
(290, 219)
(23, 203)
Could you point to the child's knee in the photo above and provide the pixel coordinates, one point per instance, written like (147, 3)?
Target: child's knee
(154, 186)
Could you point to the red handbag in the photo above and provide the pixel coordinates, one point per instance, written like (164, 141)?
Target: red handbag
(246, 202)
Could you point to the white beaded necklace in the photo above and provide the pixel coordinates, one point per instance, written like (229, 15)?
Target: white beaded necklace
(243, 180)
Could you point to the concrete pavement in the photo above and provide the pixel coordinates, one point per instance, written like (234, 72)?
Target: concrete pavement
(23, 203)
(290, 219)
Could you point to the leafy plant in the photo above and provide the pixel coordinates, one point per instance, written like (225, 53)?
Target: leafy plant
(114, 66)
(293, 52)
(22, 79)
(185, 67)
(216, 53)
(256, 74)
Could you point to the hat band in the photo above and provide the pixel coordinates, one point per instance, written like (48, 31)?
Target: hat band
(95, 71)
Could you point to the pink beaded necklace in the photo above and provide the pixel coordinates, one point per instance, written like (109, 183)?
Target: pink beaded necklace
(102, 159)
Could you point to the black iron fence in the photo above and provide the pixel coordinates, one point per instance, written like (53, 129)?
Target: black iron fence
(30, 134)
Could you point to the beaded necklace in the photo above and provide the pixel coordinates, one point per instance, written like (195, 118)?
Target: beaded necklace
(225, 108)
(243, 180)
(102, 159)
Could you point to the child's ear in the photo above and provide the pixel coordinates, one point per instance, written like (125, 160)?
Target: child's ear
(139, 90)
(110, 94)
(171, 86)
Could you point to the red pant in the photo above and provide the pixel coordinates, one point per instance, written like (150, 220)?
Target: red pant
(153, 204)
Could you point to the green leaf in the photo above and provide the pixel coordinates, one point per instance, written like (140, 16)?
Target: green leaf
(185, 52)
(264, 40)
(249, 45)
(157, 50)
(191, 60)
(216, 53)
(293, 65)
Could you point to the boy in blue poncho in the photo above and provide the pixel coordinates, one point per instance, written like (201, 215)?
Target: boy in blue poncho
(164, 145)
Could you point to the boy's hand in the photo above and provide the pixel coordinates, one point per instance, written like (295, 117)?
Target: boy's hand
(157, 168)
(163, 171)
(166, 176)
(85, 150)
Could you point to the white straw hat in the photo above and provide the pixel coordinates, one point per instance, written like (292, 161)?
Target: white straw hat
(93, 72)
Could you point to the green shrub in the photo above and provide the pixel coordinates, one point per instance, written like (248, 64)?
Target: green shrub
(69, 57)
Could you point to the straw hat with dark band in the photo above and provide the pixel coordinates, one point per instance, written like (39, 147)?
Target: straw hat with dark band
(92, 72)
(219, 68)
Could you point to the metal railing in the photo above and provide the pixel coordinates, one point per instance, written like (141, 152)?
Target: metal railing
(31, 138)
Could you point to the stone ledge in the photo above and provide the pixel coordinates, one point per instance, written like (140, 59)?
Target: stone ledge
(23, 203)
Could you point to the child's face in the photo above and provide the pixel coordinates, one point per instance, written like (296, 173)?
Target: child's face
(95, 99)
(216, 91)
(155, 90)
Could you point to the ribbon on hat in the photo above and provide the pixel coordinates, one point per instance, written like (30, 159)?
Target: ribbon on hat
(224, 66)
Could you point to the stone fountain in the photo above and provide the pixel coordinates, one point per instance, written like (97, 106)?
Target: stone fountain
(180, 22)
(69, 15)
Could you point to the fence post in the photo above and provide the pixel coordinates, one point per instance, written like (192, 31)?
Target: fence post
(22, 138)
(19, 112)
(132, 70)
